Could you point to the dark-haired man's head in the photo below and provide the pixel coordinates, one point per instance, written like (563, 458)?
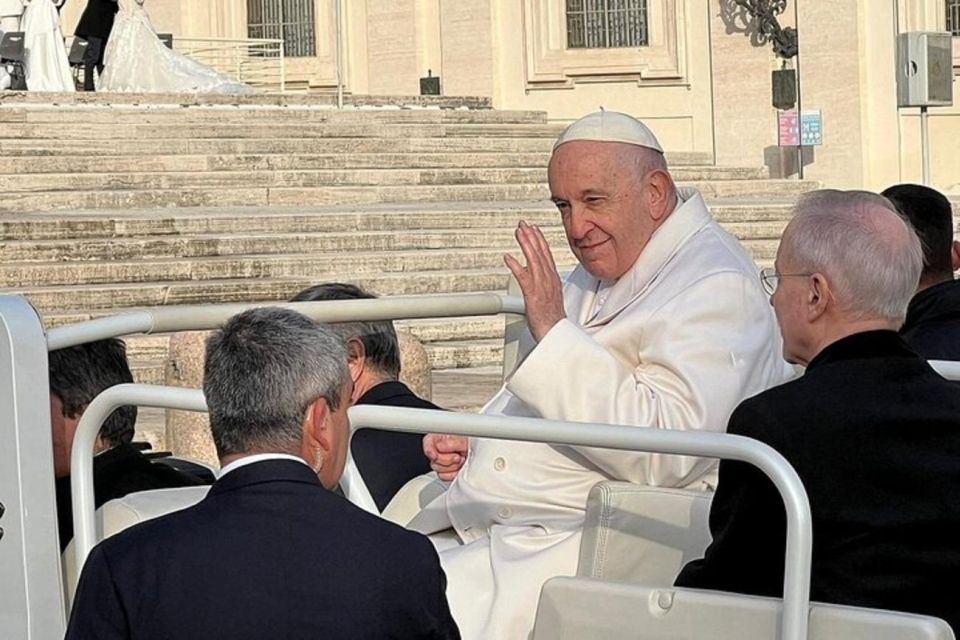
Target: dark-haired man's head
(931, 215)
(373, 352)
(78, 375)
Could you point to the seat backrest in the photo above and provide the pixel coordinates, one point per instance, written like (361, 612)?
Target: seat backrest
(122, 513)
(642, 534)
(11, 46)
(584, 608)
(412, 497)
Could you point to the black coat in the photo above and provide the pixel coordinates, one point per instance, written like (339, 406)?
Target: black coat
(269, 553)
(97, 20)
(117, 472)
(932, 326)
(387, 460)
(874, 434)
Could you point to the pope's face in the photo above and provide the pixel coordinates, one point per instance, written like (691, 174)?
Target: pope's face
(599, 193)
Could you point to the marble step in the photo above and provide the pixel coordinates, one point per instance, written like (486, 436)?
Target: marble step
(78, 250)
(466, 389)
(141, 115)
(82, 164)
(188, 196)
(286, 145)
(269, 129)
(207, 245)
(318, 266)
(465, 354)
(73, 299)
(137, 223)
(180, 100)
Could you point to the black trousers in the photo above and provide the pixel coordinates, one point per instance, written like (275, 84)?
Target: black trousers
(93, 60)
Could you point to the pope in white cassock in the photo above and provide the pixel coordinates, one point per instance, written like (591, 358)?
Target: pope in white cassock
(663, 325)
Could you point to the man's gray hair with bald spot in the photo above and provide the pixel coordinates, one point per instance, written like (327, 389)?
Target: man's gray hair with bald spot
(872, 261)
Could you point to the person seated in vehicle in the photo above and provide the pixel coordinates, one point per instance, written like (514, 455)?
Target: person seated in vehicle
(270, 552)
(871, 429)
(932, 325)
(386, 460)
(77, 376)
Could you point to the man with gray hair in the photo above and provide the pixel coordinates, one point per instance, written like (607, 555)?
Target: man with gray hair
(871, 429)
(270, 552)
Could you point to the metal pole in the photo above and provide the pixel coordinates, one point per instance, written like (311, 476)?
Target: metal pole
(339, 18)
(925, 144)
(200, 317)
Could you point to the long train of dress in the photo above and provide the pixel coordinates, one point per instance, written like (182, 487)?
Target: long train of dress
(46, 66)
(137, 61)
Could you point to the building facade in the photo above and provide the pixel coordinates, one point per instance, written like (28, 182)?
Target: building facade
(697, 71)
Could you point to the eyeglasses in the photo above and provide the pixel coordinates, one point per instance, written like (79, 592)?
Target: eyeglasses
(769, 278)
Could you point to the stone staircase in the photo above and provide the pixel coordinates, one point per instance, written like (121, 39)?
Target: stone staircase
(110, 206)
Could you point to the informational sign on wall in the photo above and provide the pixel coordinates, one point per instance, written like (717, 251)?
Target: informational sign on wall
(789, 126)
(811, 128)
(800, 129)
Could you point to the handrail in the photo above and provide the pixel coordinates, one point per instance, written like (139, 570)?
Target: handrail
(202, 317)
(949, 369)
(796, 582)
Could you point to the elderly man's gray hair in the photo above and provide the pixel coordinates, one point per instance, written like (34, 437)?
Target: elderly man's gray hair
(868, 252)
(262, 371)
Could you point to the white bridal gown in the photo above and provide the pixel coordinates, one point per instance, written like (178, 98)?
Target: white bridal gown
(46, 66)
(136, 61)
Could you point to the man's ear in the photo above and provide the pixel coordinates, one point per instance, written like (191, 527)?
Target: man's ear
(818, 296)
(955, 254)
(356, 358)
(316, 432)
(659, 192)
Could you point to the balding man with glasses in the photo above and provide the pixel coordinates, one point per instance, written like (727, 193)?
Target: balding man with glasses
(872, 430)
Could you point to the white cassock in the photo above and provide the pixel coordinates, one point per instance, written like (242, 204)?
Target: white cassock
(46, 67)
(676, 343)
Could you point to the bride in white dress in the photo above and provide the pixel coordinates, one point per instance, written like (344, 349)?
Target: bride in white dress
(136, 61)
(45, 65)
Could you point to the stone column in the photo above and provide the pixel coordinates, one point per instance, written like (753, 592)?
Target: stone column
(415, 369)
(188, 433)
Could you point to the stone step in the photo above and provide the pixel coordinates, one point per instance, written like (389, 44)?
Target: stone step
(466, 389)
(83, 164)
(65, 300)
(75, 226)
(151, 428)
(369, 129)
(465, 354)
(314, 265)
(50, 182)
(352, 195)
(180, 100)
(113, 115)
(78, 251)
(147, 371)
(286, 145)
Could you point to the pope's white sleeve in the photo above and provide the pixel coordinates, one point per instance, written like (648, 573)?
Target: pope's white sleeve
(703, 352)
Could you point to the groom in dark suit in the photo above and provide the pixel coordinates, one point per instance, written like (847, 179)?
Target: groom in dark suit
(270, 552)
(872, 431)
(95, 26)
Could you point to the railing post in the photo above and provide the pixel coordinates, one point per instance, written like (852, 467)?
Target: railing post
(339, 18)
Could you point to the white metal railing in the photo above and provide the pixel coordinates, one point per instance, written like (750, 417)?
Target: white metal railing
(258, 62)
(796, 583)
(212, 316)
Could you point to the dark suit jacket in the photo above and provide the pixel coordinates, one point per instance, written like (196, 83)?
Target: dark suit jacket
(269, 553)
(932, 326)
(117, 472)
(97, 20)
(874, 433)
(387, 460)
